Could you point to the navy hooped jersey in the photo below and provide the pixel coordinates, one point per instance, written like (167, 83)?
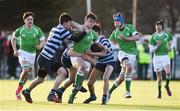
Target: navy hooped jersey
(109, 57)
(55, 39)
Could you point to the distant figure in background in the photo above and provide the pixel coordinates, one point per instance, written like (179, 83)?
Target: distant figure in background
(160, 44)
(12, 60)
(144, 59)
(4, 45)
(31, 38)
(172, 54)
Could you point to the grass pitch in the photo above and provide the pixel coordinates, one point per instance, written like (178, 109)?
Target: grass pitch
(143, 98)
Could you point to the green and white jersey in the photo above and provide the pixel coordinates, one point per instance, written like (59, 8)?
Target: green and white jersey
(85, 43)
(125, 46)
(164, 37)
(29, 38)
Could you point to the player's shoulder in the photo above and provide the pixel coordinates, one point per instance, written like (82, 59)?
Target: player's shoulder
(154, 33)
(93, 32)
(168, 33)
(129, 25)
(19, 29)
(36, 27)
(115, 30)
(153, 36)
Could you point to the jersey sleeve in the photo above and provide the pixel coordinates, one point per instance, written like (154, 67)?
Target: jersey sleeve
(40, 34)
(16, 33)
(105, 42)
(95, 36)
(170, 36)
(66, 34)
(152, 41)
(133, 30)
(113, 35)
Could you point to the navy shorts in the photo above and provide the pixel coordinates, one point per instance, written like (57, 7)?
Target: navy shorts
(44, 66)
(102, 66)
(66, 61)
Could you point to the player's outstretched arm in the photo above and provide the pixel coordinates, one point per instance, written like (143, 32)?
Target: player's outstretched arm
(78, 26)
(13, 42)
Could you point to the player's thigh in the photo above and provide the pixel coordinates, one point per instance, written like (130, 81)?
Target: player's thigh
(78, 62)
(72, 73)
(94, 75)
(23, 60)
(108, 70)
(62, 71)
(125, 58)
(166, 64)
(30, 57)
(157, 63)
(88, 66)
(44, 66)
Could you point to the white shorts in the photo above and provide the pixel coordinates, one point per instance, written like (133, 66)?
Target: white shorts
(131, 57)
(29, 57)
(75, 59)
(159, 62)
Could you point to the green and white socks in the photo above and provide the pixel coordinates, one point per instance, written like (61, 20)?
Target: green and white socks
(114, 86)
(128, 82)
(79, 79)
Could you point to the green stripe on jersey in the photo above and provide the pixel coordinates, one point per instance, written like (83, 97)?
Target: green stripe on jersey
(29, 38)
(126, 46)
(85, 43)
(164, 37)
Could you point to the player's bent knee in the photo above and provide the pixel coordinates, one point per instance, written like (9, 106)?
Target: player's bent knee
(168, 74)
(83, 68)
(159, 79)
(129, 68)
(62, 71)
(119, 80)
(25, 70)
(42, 73)
(71, 80)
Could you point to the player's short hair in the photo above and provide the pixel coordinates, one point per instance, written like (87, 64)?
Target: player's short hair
(27, 14)
(64, 17)
(91, 16)
(160, 22)
(97, 28)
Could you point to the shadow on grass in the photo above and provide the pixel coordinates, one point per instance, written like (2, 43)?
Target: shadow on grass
(133, 106)
(91, 106)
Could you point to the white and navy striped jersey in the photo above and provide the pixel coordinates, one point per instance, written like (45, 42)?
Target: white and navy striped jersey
(109, 57)
(56, 37)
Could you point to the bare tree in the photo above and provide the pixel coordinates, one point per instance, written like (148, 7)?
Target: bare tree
(173, 12)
